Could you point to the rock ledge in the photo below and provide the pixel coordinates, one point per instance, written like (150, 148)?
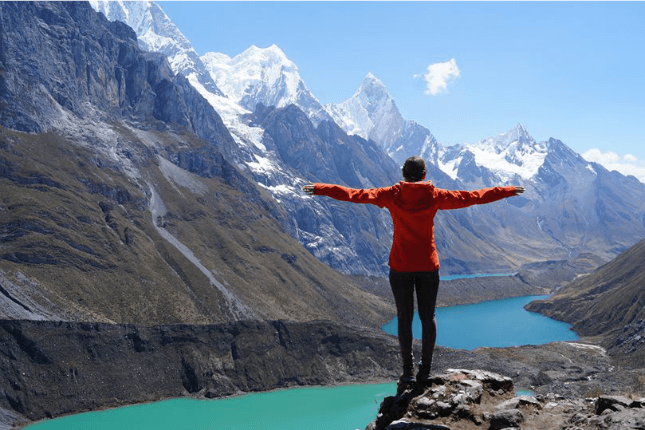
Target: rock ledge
(462, 399)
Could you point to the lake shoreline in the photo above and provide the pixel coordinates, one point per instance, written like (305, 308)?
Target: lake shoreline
(495, 323)
(197, 397)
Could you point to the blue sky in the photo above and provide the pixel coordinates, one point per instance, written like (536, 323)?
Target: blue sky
(569, 70)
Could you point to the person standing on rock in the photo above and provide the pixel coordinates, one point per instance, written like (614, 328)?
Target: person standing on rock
(413, 261)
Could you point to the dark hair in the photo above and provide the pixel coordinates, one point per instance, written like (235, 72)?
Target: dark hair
(413, 169)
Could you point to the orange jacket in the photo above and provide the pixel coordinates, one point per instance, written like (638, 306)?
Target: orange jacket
(413, 206)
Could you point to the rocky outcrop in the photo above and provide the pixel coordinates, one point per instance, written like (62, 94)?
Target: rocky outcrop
(475, 399)
(627, 344)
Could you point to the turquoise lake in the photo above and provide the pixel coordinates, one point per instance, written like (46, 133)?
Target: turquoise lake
(345, 407)
(495, 323)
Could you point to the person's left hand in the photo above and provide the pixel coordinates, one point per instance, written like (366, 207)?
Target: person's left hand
(309, 189)
(519, 190)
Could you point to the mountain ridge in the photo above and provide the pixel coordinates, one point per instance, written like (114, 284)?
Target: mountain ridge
(363, 251)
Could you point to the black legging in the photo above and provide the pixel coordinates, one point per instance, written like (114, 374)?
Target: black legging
(427, 285)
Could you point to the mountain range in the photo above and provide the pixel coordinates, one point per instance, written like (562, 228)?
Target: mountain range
(151, 212)
(573, 210)
(271, 132)
(150, 150)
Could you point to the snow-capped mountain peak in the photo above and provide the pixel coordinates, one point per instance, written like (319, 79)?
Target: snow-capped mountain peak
(371, 77)
(512, 153)
(248, 72)
(155, 31)
(372, 93)
(518, 135)
(370, 113)
(261, 75)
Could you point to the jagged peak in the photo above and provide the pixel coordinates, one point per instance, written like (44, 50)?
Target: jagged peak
(521, 131)
(517, 135)
(520, 127)
(374, 86)
(155, 30)
(271, 52)
(371, 79)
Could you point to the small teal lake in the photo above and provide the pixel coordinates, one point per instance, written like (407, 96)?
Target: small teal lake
(495, 323)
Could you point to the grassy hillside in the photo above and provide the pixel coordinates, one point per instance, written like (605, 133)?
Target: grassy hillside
(78, 240)
(610, 297)
(608, 304)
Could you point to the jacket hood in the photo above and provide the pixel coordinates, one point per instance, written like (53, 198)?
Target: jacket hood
(414, 196)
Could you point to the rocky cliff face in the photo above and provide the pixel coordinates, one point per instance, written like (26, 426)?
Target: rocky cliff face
(144, 15)
(63, 61)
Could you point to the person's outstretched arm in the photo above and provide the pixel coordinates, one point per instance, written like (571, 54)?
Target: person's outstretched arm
(375, 196)
(461, 199)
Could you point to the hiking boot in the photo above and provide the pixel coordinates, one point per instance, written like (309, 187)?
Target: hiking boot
(424, 372)
(408, 375)
(406, 382)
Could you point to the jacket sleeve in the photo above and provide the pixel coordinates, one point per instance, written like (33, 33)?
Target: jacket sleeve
(447, 199)
(375, 196)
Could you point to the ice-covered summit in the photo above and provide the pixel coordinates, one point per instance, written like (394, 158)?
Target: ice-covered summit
(518, 135)
(370, 113)
(235, 85)
(261, 75)
(507, 154)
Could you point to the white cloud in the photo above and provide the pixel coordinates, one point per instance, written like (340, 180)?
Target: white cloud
(630, 158)
(626, 164)
(439, 75)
